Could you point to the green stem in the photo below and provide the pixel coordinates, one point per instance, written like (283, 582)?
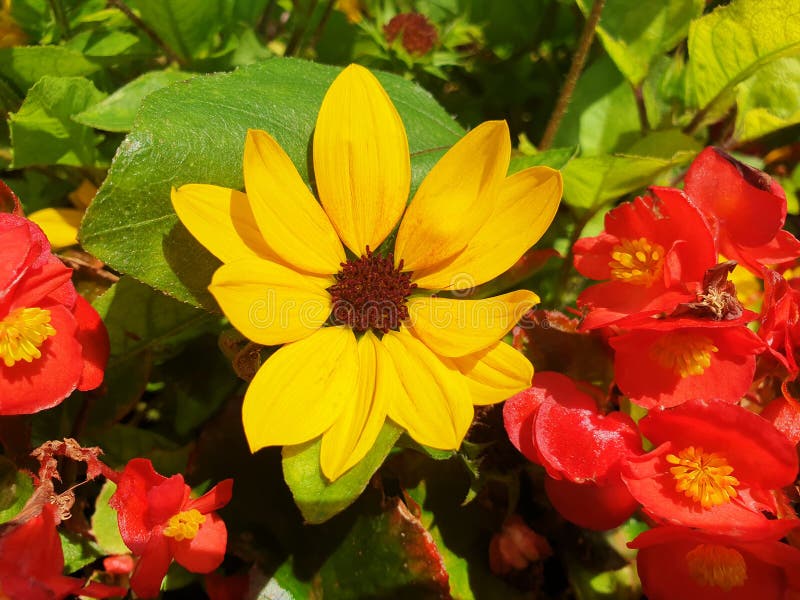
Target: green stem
(575, 69)
(60, 16)
(145, 28)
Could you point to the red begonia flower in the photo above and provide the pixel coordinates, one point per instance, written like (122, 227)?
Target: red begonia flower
(665, 366)
(556, 425)
(51, 340)
(714, 466)
(678, 562)
(159, 522)
(784, 414)
(652, 255)
(32, 562)
(745, 207)
(780, 320)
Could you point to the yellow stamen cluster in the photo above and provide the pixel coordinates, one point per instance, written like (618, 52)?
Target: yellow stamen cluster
(22, 333)
(704, 477)
(685, 353)
(640, 261)
(184, 525)
(717, 566)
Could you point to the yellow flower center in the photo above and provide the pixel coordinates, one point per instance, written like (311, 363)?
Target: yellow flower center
(683, 352)
(640, 261)
(704, 477)
(717, 566)
(22, 333)
(184, 525)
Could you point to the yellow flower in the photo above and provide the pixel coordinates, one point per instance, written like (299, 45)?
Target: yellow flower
(362, 338)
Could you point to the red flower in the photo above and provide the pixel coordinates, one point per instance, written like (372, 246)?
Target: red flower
(655, 252)
(714, 466)
(31, 563)
(556, 425)
(516, 546)
(780, 320)
(745, 207)
(51, 340)
(678, 562)
(158, 521)
(669, 361)
(418, 33)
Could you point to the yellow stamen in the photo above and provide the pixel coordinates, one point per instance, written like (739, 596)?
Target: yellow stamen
(704, 477)
(717, 566)
(683, 352)
(22, 332)
(640, 261)
(184, 525)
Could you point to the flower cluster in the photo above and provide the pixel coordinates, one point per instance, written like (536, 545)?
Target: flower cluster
(711, 477)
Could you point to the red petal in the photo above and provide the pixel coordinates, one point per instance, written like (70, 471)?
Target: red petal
(205, 552)
(152, 567)
(100, 590)
(785, 417)
(590, 505)
(16, 253)
(166, 500)
(44, 281)
(30, 387)
(93, 338)
(723, 188)
(130, 502)
(213, 499)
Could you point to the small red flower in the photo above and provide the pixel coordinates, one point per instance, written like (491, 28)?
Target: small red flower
(556, 425)
(653, 255)
(670, 361)
(745, 207)
(159, 522)
(51, 340)
(714, 466)
(32, 562)
(516, 546)
(418, 33)
(780, 320)
(678, 562)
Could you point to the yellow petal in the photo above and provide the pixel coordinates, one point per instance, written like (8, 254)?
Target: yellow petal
(526, 205)
(221, 220)
(302, 389)
(60, 225)
(434, 405)
(455, 199)
(361, 162)
(289, 217)
(494, 373)
(353, 434)
(268, 302)
(83, 195)
(452, 327)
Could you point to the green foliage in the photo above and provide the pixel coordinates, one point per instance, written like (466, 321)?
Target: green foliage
(104, 523)
(15, 489)
(768, 101)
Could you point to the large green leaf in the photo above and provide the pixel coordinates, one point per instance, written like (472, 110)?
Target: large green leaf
(634, 33)
(25, 66)
(43, 132)
(105, 527)
(769, 100)
(730, 44)
(317, 498)
(193, 132)
(116, 113)
(602, 116)
(592, 181)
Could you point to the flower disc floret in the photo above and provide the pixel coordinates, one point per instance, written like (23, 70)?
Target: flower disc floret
(719, 566)
(22, 333)
(705, 477)
(370, 293)
(640, 262)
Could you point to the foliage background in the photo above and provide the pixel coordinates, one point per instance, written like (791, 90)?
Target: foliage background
(136, 96)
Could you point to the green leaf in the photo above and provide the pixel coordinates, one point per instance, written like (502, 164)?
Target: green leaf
(282, 585)
(668, 143)
(603, 116)
(664, 90)
(317, 498)
(555, 158)
(194, 133)
(768, 101)
(78, 551)
(634, 33)
(592, 181)
(730, 44)
(186, 26)
(105, 526)
(116, 113)
(140, 319)
(15, 489)
(24, 66)
(43, 132)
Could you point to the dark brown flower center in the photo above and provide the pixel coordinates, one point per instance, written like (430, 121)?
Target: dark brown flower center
(370, 293)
